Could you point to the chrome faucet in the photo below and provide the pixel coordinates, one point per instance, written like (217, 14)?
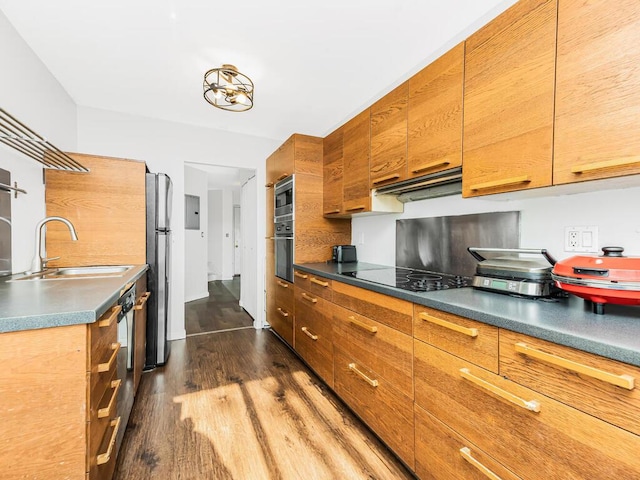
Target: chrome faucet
(39, 259)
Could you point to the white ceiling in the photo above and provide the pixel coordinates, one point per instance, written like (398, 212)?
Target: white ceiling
(314, 63)
(219, 178)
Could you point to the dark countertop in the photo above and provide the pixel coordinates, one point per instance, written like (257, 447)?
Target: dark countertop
(29, 304)
(570, 322)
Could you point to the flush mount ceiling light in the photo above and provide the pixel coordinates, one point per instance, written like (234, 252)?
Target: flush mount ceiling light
(228, 89)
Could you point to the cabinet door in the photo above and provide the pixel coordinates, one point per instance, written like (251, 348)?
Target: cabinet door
(597, 133)
(333, 168)
(281, 163)
(508, 101)
(389, 137)
(435, 115)
(356, 143)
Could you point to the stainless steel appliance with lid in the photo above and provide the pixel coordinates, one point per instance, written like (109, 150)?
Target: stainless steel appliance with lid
(511, 273)
(344, 254)
(609, 278)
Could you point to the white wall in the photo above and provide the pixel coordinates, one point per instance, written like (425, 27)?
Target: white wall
(221, 234)
(32, 95)
(195, 241)
(543, 220)
(166, 146)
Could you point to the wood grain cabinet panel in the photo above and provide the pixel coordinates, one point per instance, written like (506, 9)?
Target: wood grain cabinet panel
(281, 163)
(509, 100)
(440, 454)
(380, 348)
(281, 319)
(390, 311)
(318, 286)
(384, 408)
(356, 152)
(604, 388)
(435, 115)
(313, 333)
(499, 416)
(473, 341)
(597, 133)
(333, 174)
(389, 138)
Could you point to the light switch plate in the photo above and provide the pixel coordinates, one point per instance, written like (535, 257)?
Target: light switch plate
(581, 239)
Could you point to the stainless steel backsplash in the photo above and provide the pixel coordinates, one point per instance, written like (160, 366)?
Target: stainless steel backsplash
(5, 225)
(439, 244)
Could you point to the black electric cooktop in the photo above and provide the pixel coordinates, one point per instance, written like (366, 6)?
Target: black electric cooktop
(412, 279)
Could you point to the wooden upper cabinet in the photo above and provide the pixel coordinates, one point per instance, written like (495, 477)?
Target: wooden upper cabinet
(597, 101)
(509, 100)
(281, 163)
(356, 143)
(332, 167)
(389, 137)
(435, 115)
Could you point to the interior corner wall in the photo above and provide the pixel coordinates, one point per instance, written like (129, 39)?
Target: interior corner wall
(165, 147)
(30, 93)
(195, 241)
(215, 234)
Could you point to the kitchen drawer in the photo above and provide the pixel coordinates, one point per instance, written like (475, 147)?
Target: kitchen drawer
(390, 311)
(318, 286)
(496, 414)
(387, 411)
(103, 364)
(386, 351)
(604, 388)
(104, 402)
(313, 333)
(281, 322)
(473, 341)
(102, 333)
(102, 452)
(284, 295)
(442, 454)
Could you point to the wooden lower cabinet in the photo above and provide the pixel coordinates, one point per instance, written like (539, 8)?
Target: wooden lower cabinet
(442, 454)
(532, 435)
(313, 333)
(383, 407)
(281, 317)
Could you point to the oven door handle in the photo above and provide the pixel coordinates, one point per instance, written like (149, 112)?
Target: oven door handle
(282, 238)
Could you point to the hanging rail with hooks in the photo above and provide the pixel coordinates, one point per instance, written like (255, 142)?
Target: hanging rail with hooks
(18, 136)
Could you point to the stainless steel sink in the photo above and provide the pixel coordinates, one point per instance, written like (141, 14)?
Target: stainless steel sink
(69, 273)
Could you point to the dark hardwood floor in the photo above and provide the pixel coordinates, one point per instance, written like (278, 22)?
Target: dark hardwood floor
(219, 311)
(240, 405)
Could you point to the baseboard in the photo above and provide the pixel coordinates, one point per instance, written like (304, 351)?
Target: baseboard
(213, 276)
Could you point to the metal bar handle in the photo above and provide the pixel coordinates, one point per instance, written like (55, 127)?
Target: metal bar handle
(466, 454)
(369, 328)
(309, 334)
(105, 367)
(362, 375)
(500, 183)
(471, 332)
(106, 411)
(624, 381)
(106, 322)
(531, 405)
(301, 275)
(309, 298)
(429, 166)
(616, 162)
(319, 282)
(103, 458)
(9, 188)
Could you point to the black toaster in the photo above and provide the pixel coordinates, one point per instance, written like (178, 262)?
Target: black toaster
(344, 254)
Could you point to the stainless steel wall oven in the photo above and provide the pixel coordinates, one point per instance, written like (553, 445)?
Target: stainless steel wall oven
(284, 241)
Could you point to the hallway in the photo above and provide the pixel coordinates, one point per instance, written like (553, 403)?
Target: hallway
(240, 405)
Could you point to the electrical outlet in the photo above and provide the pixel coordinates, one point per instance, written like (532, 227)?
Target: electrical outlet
(581, 239)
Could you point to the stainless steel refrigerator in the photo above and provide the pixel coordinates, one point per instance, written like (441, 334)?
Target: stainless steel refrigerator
(159, 190)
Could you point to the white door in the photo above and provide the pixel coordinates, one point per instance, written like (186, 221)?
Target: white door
(237, 241)
(249, 255)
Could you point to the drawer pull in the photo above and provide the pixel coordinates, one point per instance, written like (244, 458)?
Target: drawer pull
(624, 381)
(319, 282)
(103, 458)
(532, 405)
(471, 332)
(282, 284)
(282, 312)
(428, 166)
(142, 300)
(466, 454)
(331, 212)
(106, 322)
(616, 162)
(370, 381)
(105, 367)
(385, 178)
(369, 328)
(300, 275)
(500, 183)
(106, 411)
(309, 298)
(356, 208)
(309, 334)
(282, 177)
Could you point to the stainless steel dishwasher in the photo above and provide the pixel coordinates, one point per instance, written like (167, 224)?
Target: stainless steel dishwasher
(126, 338)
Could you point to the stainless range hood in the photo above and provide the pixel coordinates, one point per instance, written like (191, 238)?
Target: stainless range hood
(439, 184)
